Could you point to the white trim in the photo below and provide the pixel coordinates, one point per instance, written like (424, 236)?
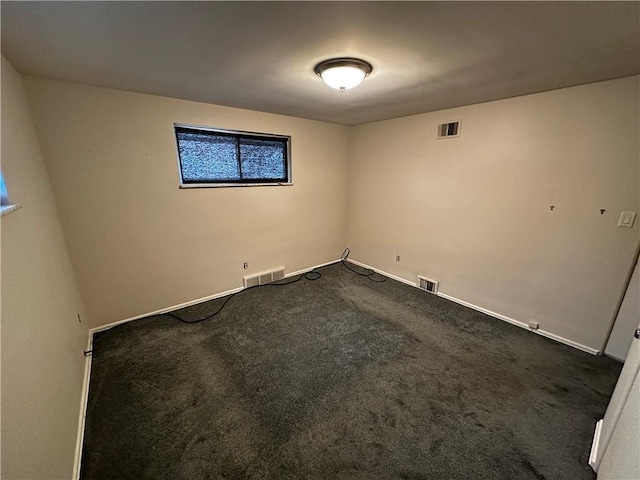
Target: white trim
(193, 302)
(83, 410)
(87, 369)
(518, 323)
(299, 272)
(165, 310)
(87, 375)
(6, 209)
(382, 272)
(593, 456)
(225, 185)
(484, 310)
(571, 343)
(499, 316)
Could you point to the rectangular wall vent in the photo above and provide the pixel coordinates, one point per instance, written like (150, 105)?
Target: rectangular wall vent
(263, 278)
(427, 284)
(451, 129)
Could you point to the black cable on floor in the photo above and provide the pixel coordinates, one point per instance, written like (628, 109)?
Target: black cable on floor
(311, 276)
(368, 273)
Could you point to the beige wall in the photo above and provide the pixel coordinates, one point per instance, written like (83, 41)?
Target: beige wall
(473, 212)
(42, 340)
(140, 244)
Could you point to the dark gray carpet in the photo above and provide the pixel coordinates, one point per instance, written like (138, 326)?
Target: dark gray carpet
(340, 378)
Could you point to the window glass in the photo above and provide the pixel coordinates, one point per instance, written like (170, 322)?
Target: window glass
(262, 159)
(210, 157)
(4, 197)
(5, 205)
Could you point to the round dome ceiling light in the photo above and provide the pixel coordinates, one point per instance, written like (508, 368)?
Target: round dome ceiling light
(343, 73)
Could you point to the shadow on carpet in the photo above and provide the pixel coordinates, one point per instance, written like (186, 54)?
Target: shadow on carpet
(339, 378)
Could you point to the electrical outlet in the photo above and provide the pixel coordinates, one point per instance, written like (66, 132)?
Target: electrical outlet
(245, 265)
(533, 325)
(397, 258)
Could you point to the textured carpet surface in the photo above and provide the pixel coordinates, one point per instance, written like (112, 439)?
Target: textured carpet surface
(340, 378)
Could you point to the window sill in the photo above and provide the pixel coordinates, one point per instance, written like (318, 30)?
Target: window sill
(224, 185)
(6, 209)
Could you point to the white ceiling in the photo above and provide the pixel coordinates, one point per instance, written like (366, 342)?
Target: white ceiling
(426, 56)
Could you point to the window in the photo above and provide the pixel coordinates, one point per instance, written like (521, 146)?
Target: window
(5, 205)
(4, 197)
(210, 157)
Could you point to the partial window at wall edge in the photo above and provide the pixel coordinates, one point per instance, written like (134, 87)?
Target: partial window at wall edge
(5, 205)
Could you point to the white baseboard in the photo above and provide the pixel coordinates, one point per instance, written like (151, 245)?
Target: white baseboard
(558, 338)
(382, 272)
(593, 456)
(165, 310)
(87, 369)
(518, 323)
(505, 318)
(194, 302)
(484, 310)
(83, 410)
(300, 272)
(87, 374)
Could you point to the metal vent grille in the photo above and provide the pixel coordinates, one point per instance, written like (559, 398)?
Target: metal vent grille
(427, 284)
(263, 278)
(451, 129)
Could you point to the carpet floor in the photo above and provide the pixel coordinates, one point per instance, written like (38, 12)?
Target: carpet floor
(339, 378)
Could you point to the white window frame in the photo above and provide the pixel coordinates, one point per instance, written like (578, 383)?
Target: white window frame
(238, 134)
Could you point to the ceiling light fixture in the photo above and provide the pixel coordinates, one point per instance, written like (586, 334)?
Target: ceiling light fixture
(343, 73)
